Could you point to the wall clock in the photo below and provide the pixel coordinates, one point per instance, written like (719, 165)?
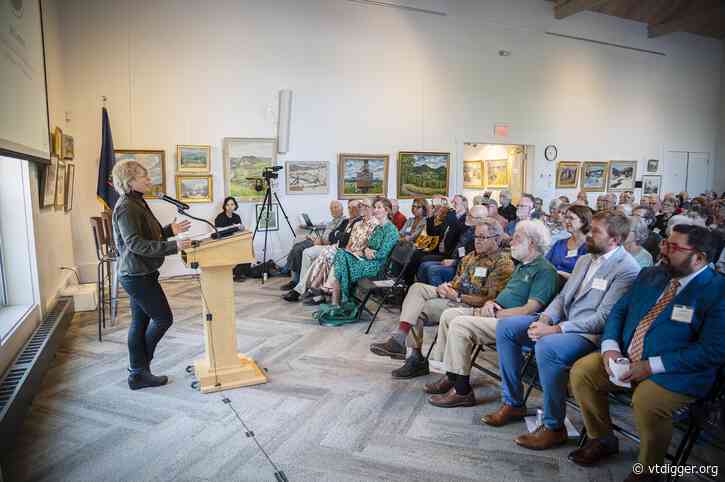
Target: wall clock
(550, 152)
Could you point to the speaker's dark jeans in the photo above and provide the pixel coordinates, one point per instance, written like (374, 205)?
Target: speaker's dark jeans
(150, 318)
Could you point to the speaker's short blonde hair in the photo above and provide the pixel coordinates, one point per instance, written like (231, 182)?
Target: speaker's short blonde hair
(124, 172)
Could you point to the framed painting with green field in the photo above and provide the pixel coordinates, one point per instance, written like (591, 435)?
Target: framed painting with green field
(362, 175)
(423, 174)
(245, 158)
(193, 159)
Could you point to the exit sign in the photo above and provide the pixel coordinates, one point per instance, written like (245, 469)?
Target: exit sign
(501, 130)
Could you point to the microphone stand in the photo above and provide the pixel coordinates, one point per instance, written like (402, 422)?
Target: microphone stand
(184, 213)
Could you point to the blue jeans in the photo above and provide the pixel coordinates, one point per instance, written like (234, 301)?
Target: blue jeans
(555, 354)
(434, 273)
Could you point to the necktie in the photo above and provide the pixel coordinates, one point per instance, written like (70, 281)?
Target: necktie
(637, 344)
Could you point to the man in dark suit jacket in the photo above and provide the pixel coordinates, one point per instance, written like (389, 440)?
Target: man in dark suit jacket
(671, 326)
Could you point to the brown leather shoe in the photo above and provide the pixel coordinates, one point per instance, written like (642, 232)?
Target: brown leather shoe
(645, 477)
(542, 438)
(504, 415)
(440, 387)
(452, 399)
(592, 453)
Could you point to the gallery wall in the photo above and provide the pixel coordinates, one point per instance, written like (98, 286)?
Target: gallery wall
(376, 80)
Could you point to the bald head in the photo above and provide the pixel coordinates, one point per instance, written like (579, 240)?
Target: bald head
(335, 208)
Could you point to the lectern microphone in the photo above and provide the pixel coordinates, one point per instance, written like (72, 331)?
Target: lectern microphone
(175, 202)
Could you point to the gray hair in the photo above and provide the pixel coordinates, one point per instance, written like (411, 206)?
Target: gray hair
(478, 200)
(124, 172)
(556, 203)
(535, 231)
(494, 227)
(683, 219)
(638, 227)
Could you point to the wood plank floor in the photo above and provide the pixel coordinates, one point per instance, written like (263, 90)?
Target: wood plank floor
(331, 411)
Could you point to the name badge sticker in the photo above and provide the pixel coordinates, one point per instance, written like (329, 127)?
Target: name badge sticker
(572, 253)
(461, 252)
(481, 272)
(599, 284)
(682, 314)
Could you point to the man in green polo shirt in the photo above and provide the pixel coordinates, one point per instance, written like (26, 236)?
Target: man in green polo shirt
(532, 286)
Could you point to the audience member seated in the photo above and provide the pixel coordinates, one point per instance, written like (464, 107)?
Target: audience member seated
(228, 217)
(329, 236)
(565, 252)
(668, 210)
(357, 210)
(564, 199)
(652, 243)
(568, 329)
(492, 207)
(638, 234)
(604, 203)
(523, 212)
(538, 211)
(398, 217)
(582, 199)
(531, 287)
(414, 225)
(480, 277)
(555, 220)
(683, 219)
(506, 209)
(671, 326)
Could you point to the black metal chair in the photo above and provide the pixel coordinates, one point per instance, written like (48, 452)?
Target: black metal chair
(106, 255)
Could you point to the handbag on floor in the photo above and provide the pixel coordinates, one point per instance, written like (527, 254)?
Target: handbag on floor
(337, 315)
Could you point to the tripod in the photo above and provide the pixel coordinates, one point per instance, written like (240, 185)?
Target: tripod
(267, 211)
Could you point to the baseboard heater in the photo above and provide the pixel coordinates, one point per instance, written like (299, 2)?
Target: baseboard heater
(22, 381)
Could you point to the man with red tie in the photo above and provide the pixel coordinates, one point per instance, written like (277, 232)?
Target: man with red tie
(671, 327)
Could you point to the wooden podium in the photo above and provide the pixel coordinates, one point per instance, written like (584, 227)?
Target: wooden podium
(222, 366)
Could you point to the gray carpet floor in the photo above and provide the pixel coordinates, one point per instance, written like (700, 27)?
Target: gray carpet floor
(330, 412)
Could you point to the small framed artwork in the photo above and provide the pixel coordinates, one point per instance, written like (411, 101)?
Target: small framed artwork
(243, 158)
(267, 220)
(307, 177)
(58, 143)
(472, 174)
(594, 176)
(155, 163)
(621, 176)
(193, 159)
(194, 189)
(60, 186)
(67, 147)
(651, 185)
(423, 174)
(362, 176)
(653, 165)
(70, 174)
(49, 181)
(567, 175)
(497, 173)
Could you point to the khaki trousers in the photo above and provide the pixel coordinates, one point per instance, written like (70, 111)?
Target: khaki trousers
(421, 303)
(458, 332)
(652, 406)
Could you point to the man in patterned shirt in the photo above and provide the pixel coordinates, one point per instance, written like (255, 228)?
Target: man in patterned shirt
(481, 275)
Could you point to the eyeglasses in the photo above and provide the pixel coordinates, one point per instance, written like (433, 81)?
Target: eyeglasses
(484, 238)
(674, 247)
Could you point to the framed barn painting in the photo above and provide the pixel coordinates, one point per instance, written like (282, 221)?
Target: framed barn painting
(362, 176)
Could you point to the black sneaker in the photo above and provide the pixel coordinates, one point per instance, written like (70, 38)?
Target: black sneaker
(137, 381)
(415, 366)
(288, 286)
(314, 301)
(390, 348)
(291, 296)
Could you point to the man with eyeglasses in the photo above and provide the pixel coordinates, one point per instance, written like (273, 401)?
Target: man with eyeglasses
(670, 325)
(523, 212)
(481, 275)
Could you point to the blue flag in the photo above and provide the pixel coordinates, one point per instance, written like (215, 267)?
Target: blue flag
(107, 195)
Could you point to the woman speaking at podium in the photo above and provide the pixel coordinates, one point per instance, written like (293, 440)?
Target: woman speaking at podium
(142, 245)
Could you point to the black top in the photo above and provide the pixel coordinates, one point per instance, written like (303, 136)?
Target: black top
(223, 221)
(509, 212)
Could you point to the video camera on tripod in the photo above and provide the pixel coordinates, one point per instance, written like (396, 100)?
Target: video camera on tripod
(268, 173)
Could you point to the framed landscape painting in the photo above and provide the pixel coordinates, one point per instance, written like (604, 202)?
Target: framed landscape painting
(246, 158)
(155, 163)
(49, 182)
(194, 189)
(67, 147)
(60, 186)
(621, 176)
(594, 176)
(497, 173)
(307, 177)
(267, 220)
(423, 174)
(567, 175)
(362, 175)
(472, 174)
(193, 159)
(651, 185)
(69, 181)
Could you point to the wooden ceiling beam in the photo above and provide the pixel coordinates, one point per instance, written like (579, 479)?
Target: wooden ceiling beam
(567, 8)
(685, 23)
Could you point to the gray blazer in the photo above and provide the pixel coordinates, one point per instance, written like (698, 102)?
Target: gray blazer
(586, 313)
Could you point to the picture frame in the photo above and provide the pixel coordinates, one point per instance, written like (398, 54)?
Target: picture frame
(651, 185)
(653, 165)
(69, 186)
(67, 147)
(567, 175)
(307, 177)
(472, 174)
(192, 188)
(193, 159)
(622, 175)
(362, 175)
(57, 150)
(60, 186)
(246, 158)
(497, 173)
(49, 182)
(154, 161)
(594, 176)
(264, 224)
(423, 174)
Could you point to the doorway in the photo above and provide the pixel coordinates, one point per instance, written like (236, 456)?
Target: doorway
(686, 171)
(495, 167)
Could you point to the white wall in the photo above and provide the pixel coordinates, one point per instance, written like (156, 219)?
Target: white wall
(719, 158)
(375, 80)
